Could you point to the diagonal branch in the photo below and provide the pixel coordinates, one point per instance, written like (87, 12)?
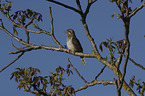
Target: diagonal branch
(77, 72)
(139, 65)
(12, 62)
(136, 10)
(64, 5)
(100, 72)
(91, 39)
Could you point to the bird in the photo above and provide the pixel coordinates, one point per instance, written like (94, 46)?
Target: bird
(74, 44)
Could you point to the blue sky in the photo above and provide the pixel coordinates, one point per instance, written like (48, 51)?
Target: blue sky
(101, 26)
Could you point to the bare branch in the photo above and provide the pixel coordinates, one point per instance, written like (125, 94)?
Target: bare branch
(35, 47)
(79, 5)
(14, 37)
(94, 82)
(136, 10)
(100, 72)
(139, 65)
(77, 72)
(90, 2)
(14, 45)
(118, 90)
(1, 23)
(27, 32)
(90, 37)
(52, 29)
(28, 37)
(64, 5)
(12, 62)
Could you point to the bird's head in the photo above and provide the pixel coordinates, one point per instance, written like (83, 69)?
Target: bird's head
(70, 32)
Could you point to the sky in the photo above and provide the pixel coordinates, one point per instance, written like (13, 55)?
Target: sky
(101, 26)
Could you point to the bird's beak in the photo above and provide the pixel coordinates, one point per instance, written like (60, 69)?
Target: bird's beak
(65, 32)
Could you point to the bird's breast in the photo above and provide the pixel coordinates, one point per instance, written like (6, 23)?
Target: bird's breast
(70, 45)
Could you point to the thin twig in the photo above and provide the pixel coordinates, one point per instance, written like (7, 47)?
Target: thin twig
(77, 72)
(14, 45)
(139, 65)
(12, 62)
(14, 37)
(100, 72)
(88, 7)
(79, 5)
(38, 32)
(52, 29)
(136, 10)
(28, 37)
(24, 50)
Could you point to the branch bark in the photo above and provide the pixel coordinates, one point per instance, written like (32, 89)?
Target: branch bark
(64, 5)
(77, 72)
(12, 62)
(52, 29)
(137, 9)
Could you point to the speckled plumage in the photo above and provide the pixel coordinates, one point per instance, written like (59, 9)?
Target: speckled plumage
(73, 43)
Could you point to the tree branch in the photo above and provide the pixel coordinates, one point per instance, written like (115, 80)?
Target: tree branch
(77, 72)
(94, 82)
(90, 2)
(12, 62)
(79, 6)
(52, 29)
(38, 32)
(64, 5)
(139, 65)
(100, 72)
(40, 91)
(136, 10)
(35, 47)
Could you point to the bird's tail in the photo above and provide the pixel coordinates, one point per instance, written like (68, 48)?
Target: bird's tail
(83, 61)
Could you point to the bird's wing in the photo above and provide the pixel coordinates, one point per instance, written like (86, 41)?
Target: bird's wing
(77, 44)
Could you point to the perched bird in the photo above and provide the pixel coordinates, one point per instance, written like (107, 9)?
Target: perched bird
(74, 44)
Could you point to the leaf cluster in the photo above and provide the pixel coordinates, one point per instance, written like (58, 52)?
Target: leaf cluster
(21, 16)
(4, 8)
(112, 45)
(29, 80)
(140, 86)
